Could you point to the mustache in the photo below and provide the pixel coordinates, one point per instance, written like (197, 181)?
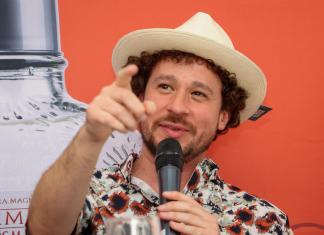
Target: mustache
(176, 119)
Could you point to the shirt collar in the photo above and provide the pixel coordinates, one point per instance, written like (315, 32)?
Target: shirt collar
(205, 171)
(207, 165)
(126, 166)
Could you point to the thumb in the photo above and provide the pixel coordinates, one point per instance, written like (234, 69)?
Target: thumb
(150, 106)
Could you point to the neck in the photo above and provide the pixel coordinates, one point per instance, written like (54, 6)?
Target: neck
(144, 168)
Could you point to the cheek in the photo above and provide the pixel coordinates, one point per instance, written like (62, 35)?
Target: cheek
(206, 121)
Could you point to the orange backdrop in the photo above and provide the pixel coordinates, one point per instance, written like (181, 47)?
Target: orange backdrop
(280, 156)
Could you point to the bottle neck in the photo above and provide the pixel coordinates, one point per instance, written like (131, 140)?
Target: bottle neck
(29, 84)
(33, 76)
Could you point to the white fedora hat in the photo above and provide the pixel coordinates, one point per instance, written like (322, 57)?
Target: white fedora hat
(202, 36)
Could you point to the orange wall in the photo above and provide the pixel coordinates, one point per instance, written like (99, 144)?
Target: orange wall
(279, 157)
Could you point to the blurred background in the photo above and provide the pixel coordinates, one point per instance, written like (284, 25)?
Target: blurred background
(280, 156)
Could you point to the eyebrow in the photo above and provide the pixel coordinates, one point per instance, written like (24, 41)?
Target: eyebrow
(196, 84)
(164, 77)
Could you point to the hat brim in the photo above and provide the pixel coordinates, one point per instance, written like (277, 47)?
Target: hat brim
(249, 75)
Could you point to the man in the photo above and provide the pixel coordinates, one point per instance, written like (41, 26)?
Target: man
(176, 84)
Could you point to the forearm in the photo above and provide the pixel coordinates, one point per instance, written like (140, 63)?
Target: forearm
(59, 195)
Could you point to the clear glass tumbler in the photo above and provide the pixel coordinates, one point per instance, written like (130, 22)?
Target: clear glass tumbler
(146, 225)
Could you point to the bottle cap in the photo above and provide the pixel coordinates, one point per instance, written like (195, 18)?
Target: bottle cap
(29, 26)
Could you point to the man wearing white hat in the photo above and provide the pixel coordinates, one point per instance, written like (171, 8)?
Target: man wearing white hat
(187, 83)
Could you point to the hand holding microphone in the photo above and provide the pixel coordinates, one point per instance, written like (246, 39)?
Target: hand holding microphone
(168, 163)
(179, 213)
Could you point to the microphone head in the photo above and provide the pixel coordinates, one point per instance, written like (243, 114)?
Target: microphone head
(168, 152)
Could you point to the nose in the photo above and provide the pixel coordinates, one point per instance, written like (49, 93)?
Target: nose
(178, 104)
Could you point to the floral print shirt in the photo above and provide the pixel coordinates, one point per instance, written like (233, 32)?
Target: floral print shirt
(114, 192)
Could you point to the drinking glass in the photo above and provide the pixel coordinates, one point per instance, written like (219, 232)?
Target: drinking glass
(145, 225)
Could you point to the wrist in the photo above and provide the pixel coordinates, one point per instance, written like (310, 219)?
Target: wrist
(84, 150)
(89, 135)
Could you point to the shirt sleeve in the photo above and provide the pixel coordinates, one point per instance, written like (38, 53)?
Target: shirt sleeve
(287, 230)
(83, 224)
(247, 214)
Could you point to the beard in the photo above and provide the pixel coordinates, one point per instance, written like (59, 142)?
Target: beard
(194, 148)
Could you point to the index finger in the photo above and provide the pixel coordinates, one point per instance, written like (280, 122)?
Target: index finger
(178, 196)
(124, 76)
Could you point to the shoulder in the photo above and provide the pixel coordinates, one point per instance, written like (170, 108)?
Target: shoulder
(101, 184)
(104, 183)
(248, 213)
(109, 174)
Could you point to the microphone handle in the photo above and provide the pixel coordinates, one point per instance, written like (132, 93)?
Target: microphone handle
(169, 178)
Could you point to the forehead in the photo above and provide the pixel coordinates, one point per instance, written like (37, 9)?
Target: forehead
(187, 73)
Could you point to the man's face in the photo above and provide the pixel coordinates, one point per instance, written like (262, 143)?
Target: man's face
(188, 100)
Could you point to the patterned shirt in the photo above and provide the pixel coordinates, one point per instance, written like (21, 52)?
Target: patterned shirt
(114, 192)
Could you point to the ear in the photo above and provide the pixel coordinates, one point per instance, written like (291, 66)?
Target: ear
(222, 120)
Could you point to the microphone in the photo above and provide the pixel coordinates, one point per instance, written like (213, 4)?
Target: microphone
(168, 164)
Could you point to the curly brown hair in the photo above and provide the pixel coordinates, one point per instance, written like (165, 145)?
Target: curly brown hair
(233, 96)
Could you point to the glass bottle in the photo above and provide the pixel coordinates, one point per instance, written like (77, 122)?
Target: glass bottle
(38, 118)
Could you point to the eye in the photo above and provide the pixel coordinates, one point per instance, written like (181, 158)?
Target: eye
(164, 87)
(199, 94)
